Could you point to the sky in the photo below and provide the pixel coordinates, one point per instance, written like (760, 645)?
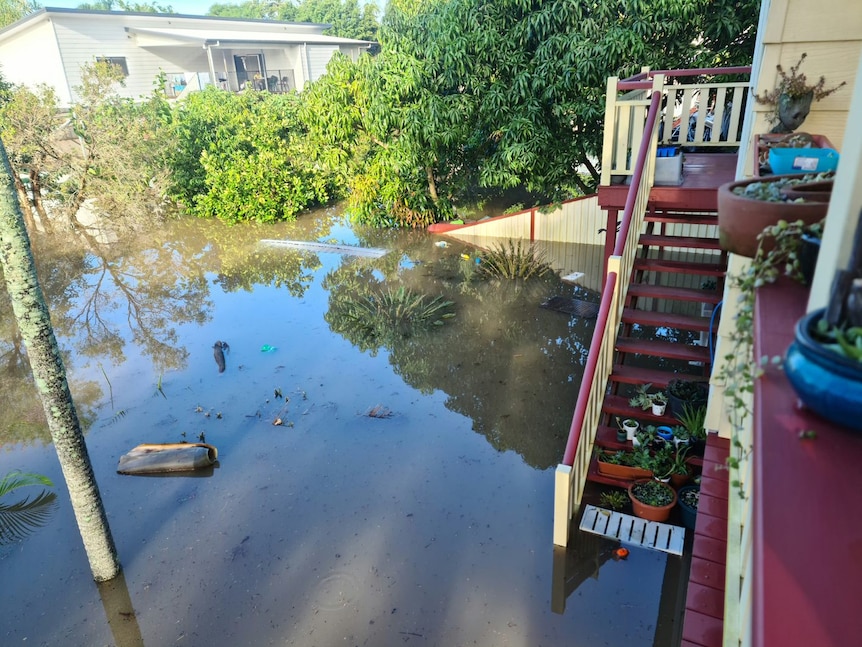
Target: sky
(191, 7)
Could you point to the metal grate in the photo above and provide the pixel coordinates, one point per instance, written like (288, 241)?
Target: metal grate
(633, 530)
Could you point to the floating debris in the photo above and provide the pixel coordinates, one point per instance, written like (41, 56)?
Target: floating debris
(219, 349)
(379, 411)
(169, 457)
(576, 307)
(314, 246)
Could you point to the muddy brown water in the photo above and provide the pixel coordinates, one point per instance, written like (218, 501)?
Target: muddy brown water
(426, 523)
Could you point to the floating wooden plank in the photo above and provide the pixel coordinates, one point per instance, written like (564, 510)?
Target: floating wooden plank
(314, 246)
(633, 530)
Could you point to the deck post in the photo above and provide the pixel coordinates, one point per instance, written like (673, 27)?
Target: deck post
(562, 504)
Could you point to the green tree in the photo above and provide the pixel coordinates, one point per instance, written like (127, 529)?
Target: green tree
(12, 10)
(346, 17)
(123, 166)
(241, 157)
(123, 5)
(34, 322)
(30, 129)
(249, 9)
(468, 94)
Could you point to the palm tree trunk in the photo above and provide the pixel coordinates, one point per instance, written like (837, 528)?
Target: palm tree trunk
(34, 323)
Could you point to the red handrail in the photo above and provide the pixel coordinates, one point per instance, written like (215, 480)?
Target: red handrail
(589, 370)
(608, 292)
(709, 71)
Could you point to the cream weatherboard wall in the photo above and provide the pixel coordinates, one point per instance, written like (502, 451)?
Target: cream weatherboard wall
(28, 58)
(51, 45)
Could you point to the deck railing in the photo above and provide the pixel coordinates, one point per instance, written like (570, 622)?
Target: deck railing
(571, 475)
(692, 114)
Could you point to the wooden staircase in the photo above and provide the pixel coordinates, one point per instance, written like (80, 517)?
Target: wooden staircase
(667, 324)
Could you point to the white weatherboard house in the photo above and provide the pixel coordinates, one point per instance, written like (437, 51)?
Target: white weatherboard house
(50, 46)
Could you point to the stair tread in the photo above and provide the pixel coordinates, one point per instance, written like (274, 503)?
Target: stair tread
(657, 240)
(672, 320)
(673, 293)
(666, 349)
(683, 267)
(682, 218)
(638, 375)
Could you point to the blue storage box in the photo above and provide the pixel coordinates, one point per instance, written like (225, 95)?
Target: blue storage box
(802, 160)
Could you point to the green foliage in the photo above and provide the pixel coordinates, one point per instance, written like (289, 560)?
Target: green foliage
(379, 317)
(467, 94)
(693, 419)
(777, 255)
(12, 10)
(123, 5)
(125, 146)
(514, 260)
(18, 519)
(653, 493)
(614, 500)
(17, 479)
(242, 157)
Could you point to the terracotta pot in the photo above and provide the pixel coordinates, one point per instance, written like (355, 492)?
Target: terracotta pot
(678, 480)
(625, 472)
(741, 219)
(649, 512)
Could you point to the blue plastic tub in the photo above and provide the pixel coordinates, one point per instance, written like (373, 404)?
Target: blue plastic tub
(802, 160)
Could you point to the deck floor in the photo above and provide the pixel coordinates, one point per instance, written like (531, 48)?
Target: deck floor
(703, 625)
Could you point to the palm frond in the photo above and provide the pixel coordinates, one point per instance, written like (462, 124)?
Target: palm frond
(20, 519)
(18, 479)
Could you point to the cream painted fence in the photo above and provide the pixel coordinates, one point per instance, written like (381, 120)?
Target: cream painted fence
(568, 236)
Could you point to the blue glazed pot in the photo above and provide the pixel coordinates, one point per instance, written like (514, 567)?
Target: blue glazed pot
(827, 383)
(687, 514)
(665, 433)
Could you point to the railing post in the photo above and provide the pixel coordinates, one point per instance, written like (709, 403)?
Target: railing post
(562, 504)
(610, 129)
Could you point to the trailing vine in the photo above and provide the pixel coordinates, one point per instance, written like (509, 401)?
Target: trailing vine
(778, 254)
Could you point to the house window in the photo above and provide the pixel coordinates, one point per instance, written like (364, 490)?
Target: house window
(119, 61)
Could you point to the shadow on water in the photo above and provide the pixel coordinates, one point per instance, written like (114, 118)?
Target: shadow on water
(379, 481)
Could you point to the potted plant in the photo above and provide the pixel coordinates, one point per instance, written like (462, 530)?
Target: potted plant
(661, 462)
(748, 207)
(622, 435)
(614, 500)
(688, 497)
(630, 425)
(642, 397)
(659, 403)
(623, 464)
(681, 391)
(651, 499)
(824, 362)
(693, 419)
(681, 435)
(680, 472)
(665, 433)
(792, 97)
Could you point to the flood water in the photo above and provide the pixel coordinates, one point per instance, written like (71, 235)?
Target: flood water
(404, 498)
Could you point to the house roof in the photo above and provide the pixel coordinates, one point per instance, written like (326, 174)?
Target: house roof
(150, 37)
(173, 29)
